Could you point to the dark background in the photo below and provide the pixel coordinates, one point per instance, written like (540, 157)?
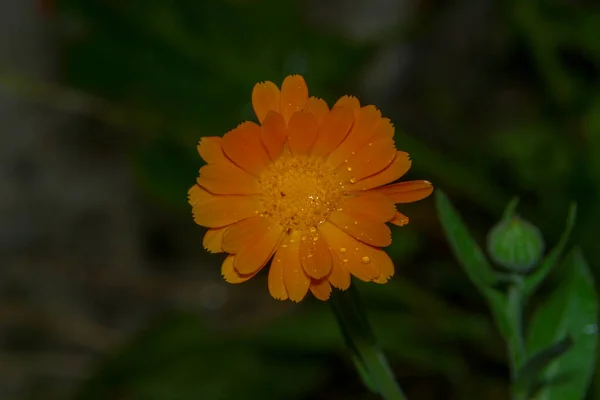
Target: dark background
(105, 290)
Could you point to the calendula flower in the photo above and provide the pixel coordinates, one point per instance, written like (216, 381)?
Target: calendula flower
(304, 190)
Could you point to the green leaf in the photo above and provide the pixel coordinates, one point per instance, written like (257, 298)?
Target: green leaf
(464, 247)
(527, 381)
(475, 264)
(571, 310)
(533, 281)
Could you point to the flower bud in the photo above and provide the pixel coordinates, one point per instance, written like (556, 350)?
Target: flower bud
(515, 244)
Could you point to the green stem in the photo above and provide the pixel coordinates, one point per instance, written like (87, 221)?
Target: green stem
(368, 358)
(516, 341)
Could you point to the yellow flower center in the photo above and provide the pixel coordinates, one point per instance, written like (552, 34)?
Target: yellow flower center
(300, 192)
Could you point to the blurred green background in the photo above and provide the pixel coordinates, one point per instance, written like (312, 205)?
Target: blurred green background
(491, 98)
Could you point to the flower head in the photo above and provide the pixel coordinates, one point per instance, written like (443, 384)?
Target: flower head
(304, 190)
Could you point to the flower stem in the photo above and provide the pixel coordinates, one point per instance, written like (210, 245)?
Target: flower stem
(370, 362)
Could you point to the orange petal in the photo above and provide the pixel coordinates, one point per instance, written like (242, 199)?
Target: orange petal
(295, 279)
(348, 254)
(372, 204)
(339, 276)
(399, 219)
(362, 227)
(227, 179)
(320, 289)
(274, 134)
(197, 194)
(219, 211)
(385, 129)
(395, 170)
(384, 264)
(244, 147)
(213, 240)
(333, 129)
(302, 132)
(242, 232)
(276, 283)
(315, 256)
(317, 107)
(265, 98)
(366, 122)
(255, 254)
(369, 160)
(294, 95)
(407, 192)
(210, 149)
(348, 101)
(230, 274)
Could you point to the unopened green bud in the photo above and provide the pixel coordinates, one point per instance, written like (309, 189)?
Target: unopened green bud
(515, 244)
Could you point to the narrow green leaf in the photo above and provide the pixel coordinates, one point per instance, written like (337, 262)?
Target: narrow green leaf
(475, 264)
(464, 247)
(533, 281)
(510, 209)
(527, 381)
(572, 310)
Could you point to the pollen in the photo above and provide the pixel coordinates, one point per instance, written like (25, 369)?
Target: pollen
(299, 192)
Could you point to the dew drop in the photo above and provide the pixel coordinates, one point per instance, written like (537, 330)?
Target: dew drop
(343, 250)
(349, 169)
(309, 256)
(345, 260)
(352, 180)
(355, 222)
(284, 245)
(304, 238)
(365, 260)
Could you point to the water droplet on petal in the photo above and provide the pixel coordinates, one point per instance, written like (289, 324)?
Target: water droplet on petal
(345, 260)
(365, 260)
(349, 169)
(355, 222)
(352, 180)
(343, 250)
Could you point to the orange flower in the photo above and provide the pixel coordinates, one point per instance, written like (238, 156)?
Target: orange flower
(303, 188)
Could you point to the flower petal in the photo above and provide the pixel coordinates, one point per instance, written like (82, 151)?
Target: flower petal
(407, 192)
(230, 274)
(395, 170)
(274, 134)
(219, 211)
(243, 145)
(275, 280)
(242, 232)
(227, 179)
(385, 129)
(197, 194)
(302, 132)
(333, 129)
(362, 227)
(365, 124)
(255, 254)
(321, 289)
(384, 264)
(399, 219)
(295, 279)
(315, 256)
(372, 204)
(265, 98)
(369, 160)
(348, 254)
(317, 107)
(211, 150)
(339, 276)
(348, 101)
(294, 95)
(213, 240)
